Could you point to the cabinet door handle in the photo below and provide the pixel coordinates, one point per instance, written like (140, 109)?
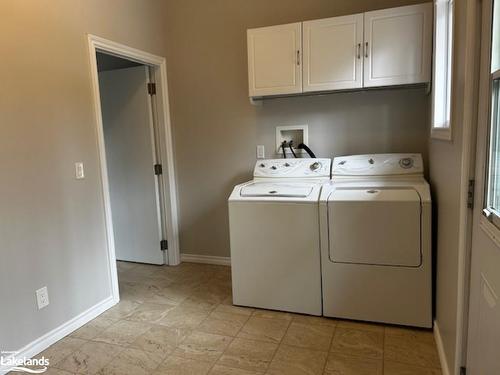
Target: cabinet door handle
(366, 49)
(358, 53)
(298, 57)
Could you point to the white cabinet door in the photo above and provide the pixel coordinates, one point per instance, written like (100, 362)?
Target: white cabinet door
(398, 45)
(333, 58)
(274, 60)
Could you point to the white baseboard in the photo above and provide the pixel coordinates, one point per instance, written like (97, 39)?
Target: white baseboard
(440, 348)
(207, 259)
(40, 344)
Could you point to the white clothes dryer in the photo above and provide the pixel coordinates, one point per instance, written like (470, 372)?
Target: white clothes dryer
(375, 219)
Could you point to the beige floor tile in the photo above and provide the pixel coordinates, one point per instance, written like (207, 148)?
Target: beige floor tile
(247, 311)
(290, 360)
(136, 292)
(150, 312)
(202, 346)
(352, 324)
(317, 337)
(160, 340)
(93, 328)
(182, 366)
(359, 343)
(206, 290)
(61, 349)
(395, 368)
(90, 358)
(223, 370)
(131, 361)
(122, 332)
(416, 347)
(315, 320)
(200, 303)
(222, 323)
(121, 310)
(50, 371)
(183, 317)
(270, 330)
(338, 364)
(125, 266)
(248, 355)
(271, 314)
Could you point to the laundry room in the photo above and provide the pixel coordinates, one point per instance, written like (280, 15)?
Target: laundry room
(235, 187)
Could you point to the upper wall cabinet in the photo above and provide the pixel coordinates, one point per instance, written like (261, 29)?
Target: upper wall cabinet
(398, 45)
(274, 60)
(374, 49)
(332, 53)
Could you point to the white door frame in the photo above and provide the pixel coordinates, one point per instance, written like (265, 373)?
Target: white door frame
(159, 65)
(468, 162)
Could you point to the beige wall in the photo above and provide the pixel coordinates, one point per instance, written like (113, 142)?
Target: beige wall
(216, 130)
(445, 175)
(51, 225)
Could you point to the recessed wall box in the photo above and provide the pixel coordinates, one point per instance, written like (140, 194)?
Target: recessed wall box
(295, 133)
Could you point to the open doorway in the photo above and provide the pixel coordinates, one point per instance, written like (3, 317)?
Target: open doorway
(132, 161)
(136, 156)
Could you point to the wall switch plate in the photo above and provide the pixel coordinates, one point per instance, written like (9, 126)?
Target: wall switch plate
(79, 171)
(261, 152)
(42, 297)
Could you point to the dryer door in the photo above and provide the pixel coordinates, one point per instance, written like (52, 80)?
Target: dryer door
(375, 226)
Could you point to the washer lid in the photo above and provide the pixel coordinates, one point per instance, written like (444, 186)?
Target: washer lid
(267, 189)
(375, 226)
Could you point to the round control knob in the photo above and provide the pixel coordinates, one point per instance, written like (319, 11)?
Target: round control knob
(314, 166)
(287, 164)
(262, 165)
(273, 167)
(406, 163)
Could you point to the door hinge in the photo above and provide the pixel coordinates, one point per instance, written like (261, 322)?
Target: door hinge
(470, 194)
(163, 244)
(158, 169)
(463, 370)
(151, 88)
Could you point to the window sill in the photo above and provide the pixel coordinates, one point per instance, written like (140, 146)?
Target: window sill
(443, 134)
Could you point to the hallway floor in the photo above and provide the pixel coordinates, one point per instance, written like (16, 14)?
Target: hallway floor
(179, 320)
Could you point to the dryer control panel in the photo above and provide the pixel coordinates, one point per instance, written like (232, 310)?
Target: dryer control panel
(378, 165)
(293, 168)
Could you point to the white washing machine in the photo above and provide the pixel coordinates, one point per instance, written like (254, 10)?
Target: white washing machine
(375, 218)
(274, 233)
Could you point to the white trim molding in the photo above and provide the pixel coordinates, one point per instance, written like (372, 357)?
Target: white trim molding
(206, 259)
(440, 348)
(40, 344)
(159, 66)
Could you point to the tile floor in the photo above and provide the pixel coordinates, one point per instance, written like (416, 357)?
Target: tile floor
(179, 320)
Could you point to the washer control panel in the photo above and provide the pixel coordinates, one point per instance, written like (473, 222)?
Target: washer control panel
(293, 168)
(378, 165)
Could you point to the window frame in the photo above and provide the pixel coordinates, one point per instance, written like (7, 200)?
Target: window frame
(442, 69)
(491, 213)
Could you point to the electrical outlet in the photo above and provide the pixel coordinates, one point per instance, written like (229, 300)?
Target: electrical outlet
(261, 153)
(42, 297)
(79, 172)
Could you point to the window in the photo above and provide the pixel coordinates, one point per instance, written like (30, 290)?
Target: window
(492, 210)
(443, 56)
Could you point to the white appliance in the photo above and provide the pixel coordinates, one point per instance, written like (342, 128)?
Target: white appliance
(274, 233)
(375, 219)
